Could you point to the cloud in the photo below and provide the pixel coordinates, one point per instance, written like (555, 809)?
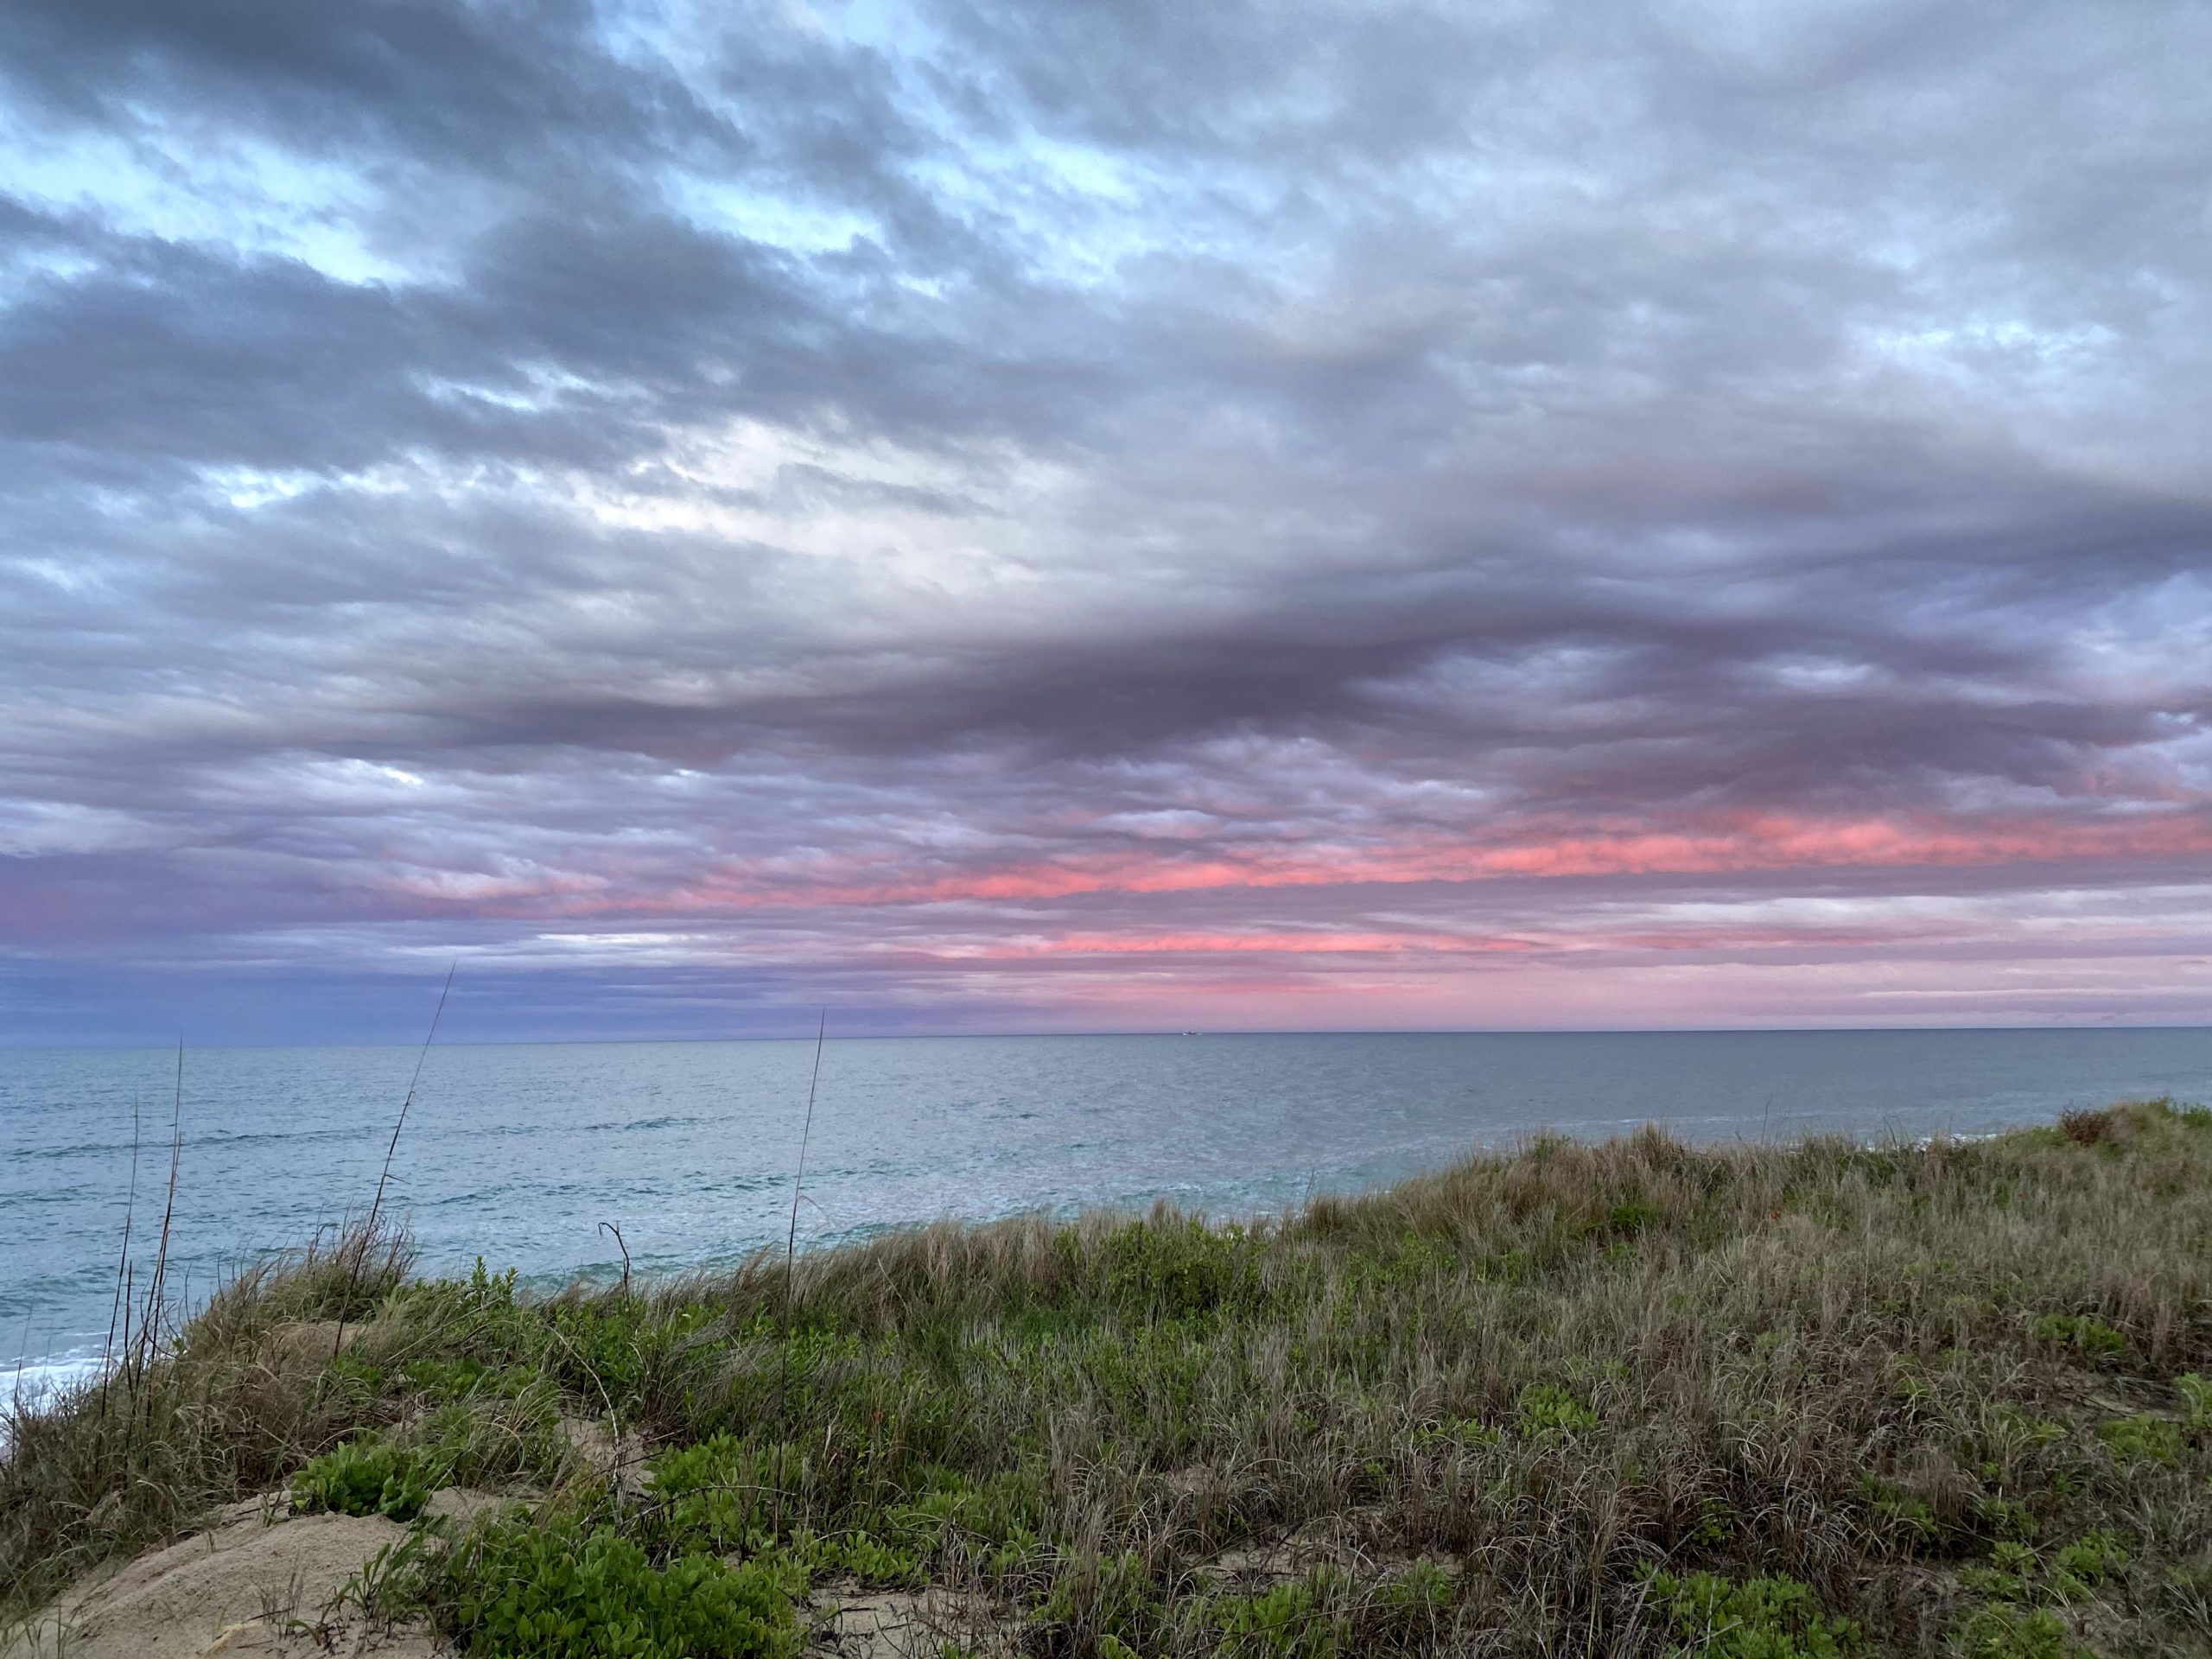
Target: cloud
(1016, 516)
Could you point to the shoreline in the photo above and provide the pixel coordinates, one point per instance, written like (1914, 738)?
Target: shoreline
(52, 1371)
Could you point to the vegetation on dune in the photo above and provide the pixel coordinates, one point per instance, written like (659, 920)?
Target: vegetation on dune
(1635, 1398)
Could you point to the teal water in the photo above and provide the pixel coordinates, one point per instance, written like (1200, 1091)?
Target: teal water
(518, 1153)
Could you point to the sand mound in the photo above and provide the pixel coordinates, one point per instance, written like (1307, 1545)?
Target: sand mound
(257, 1582)
(856, 1624)
(621, 1461)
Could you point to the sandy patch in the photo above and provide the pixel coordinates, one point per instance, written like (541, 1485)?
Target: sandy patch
(621, 1460)
(1352, 1540)
(856, 1624)
(257, 1580)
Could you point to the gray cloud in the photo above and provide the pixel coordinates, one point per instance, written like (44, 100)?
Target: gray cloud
(960, 503)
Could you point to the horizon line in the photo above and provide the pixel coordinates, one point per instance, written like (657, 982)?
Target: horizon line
(1162, 1032)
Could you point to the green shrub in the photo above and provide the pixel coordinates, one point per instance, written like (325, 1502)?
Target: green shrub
(1304, 1619)
(485, 1316)
(2142, 1438)
(2005, 1517)
(1715, 1525)
(1905, 1512)
(999, 1518)
(496, 1435)
(469, 1378)
(623, 1350)
(2012, 1428)
(1757, 1619)
(1999, 1631)
(1113, 1597)
(1459, 1434)
(368, 1476)
(1396, 1264)
(2196, 1394)
(2091, 1559)
(1179, 1270)
(2009, 1574)
(2083, 1332)
(1424, 1587)
(871, 1560)
(1545, 1411)
(564, 1589)
(1632, 1217)
(723, 1494)
(2014, 1574)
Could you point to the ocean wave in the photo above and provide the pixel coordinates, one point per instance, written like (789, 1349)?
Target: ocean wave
(667, 1120)
(37, 1381)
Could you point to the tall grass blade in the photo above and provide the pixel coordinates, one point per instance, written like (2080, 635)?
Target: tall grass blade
(116, 1311)
(376, 1205)
(799, 1181)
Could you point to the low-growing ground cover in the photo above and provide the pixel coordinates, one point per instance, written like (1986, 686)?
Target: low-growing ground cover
(1635, 1398)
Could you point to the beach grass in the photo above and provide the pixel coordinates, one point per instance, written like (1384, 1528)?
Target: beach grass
(1632, 1398)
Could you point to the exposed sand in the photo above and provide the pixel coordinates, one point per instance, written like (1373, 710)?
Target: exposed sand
(257, 1580)
(260, 1579)
(857, 1624)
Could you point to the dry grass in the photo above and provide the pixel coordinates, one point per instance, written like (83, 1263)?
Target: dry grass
(1474, 1412)
(188, 1420)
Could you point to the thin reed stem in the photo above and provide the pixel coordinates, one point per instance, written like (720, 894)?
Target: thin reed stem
(122, 1258)
(791, 1238)
(157, 1286)
(798, 1182)
(369, 1232)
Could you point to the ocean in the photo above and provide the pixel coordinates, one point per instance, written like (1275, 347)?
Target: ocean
(518, 1154)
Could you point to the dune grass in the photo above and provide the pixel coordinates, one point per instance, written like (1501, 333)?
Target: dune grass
(1634, 1398)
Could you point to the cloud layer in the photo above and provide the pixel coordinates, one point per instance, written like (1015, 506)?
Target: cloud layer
(1116, 515)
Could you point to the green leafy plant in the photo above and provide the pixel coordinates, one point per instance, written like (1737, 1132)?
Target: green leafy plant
(2005, 1517)
(2083, 1332)
(722, 1494)
(368, 1476)
(1545, 1411)
(873, 1560)
(1460, 1434)
(2008, 1425)
(1181, 1270)
(1757, 1618)
(1304, 1619)
(2142, 1438)
(566, 1589)
(2094, 1558)
(1632, 1217)
(1112, 1596)
(2196, 1394)
(1423, 1586)
(1716, 1523)
(2009, 1574)
(1906, 1513)
(2001, 1630)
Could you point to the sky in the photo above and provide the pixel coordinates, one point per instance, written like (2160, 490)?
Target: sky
(986, 516)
